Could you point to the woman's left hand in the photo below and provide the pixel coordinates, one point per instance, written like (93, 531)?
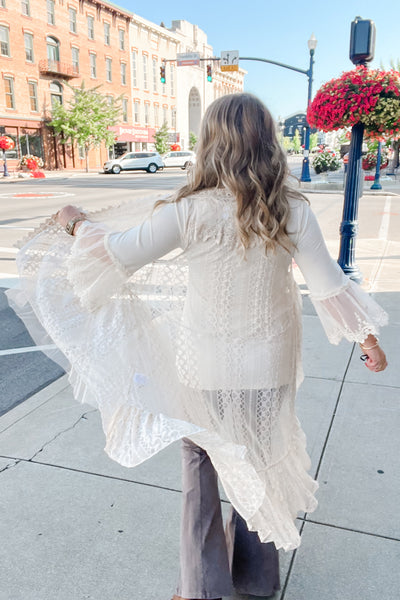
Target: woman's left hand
(67, 213)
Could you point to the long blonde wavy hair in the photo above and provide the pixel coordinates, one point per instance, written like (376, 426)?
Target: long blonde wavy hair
(238, 149)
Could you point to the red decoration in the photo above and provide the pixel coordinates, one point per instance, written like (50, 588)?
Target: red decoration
(31, 164)
(6, 143)
(175, 147)
(369, 96)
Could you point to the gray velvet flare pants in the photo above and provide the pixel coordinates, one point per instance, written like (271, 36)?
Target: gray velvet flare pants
(212, 562)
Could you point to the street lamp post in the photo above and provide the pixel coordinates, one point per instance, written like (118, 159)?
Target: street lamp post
(305, 171)
(377, 184)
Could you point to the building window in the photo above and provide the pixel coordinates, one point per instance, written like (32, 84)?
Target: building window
(146, 114)
(134, 69)
(165, 115)
(156, 116)
(10, 95)
(90, 27)
(4, 41)
(124, 110)
(28, 39)
(107, 34)
(56, 93)
(73, 27)
(110, 100)
(108, 69)
(173, 118)
(53, 48)
(31, 143)
(93, 66)
(3, 4)
(51, 12)
(75, 59)
(171, 76)
(33, 96)
(136, 108)
(25, 8)
(121, 34)
(81, 152)
(155, 75)
(123, 73)
(145, 82)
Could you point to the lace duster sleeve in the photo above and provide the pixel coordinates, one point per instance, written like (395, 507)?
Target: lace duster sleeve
(101, 261)
(345, 310)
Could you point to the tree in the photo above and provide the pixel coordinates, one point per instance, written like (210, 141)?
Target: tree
(192, 140)
(287, 143)
(296, 141)
(161, 139)
(313, 140)
(87, 119)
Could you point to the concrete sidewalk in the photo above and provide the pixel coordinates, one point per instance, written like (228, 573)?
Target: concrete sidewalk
(75, 525)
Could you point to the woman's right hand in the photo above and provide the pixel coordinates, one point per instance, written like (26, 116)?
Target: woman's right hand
(376, 360)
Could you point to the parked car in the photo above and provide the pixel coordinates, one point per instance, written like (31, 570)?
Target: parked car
(182, 159)
(135, 161)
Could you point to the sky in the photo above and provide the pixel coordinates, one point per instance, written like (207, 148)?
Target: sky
(279, 30)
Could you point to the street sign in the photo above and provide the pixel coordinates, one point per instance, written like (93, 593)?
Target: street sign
(188, 59)
(230, 60)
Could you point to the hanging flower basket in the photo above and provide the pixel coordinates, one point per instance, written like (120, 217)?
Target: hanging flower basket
(368, 96)
(6, 143)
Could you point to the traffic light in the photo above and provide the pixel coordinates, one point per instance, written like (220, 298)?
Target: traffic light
(162, 73)
(209, 73)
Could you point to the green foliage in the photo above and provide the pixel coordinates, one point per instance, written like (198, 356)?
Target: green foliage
(313, 140)
(325, 161)
(296, 141)
(287, 143)
(192, 140)
(161, 139)
(87, 118)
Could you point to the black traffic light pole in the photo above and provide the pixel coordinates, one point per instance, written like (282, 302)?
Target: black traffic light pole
(362, 46)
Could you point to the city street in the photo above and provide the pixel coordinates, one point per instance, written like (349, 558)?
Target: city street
(51, 447)
(24, 204)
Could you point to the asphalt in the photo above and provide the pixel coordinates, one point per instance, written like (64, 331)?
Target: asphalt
(75, 525)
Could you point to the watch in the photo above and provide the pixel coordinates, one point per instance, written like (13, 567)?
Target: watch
(70, 226)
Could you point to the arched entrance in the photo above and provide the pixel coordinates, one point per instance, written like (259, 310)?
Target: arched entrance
(194, 111)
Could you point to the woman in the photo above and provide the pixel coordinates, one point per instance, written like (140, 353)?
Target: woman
(204, 343)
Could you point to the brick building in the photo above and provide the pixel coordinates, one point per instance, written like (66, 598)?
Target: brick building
(46, 44)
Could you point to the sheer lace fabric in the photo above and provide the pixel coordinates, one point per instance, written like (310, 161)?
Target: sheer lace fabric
(171, 331)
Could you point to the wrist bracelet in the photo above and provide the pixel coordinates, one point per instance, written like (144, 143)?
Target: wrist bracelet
(370, 347)
(70, 226)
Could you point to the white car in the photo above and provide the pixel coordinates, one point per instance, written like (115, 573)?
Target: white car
(182, 159)
(135, 161)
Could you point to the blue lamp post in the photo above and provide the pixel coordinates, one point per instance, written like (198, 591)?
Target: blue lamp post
(362, 46)
(377, 184)
(305, 171)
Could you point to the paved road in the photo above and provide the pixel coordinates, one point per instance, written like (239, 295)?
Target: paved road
(23, 205)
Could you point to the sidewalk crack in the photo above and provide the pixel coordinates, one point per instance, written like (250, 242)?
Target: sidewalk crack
(83, 416)
(10, 466)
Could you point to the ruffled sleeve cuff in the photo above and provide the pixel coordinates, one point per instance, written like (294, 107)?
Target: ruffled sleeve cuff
(350, 313)
(93, 271)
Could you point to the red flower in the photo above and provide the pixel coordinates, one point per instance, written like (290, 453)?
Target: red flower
(369, 96)
(6, 143)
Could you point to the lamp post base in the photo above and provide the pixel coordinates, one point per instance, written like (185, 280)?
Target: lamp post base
(305, 170)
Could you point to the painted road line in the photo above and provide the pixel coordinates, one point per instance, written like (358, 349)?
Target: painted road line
(9, 250)
(27, 349)
(384, 228)
(18, 228)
